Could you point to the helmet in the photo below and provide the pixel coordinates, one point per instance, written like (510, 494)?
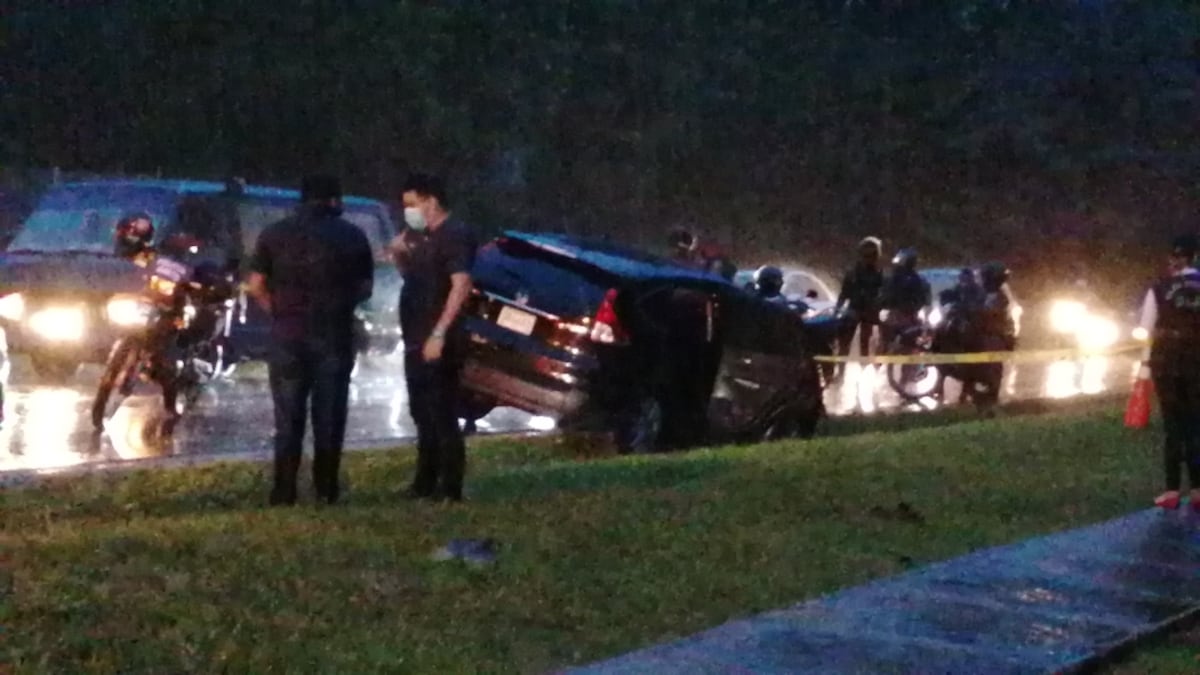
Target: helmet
(906, 257)
(768, 280)
(681, 239)
(994, 275)
(131, 237)
(871, 245)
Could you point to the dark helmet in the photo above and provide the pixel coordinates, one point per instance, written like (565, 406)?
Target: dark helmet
(130, 238)
(1185, 246)
(966, 276)
(906, 257)
(768, 280)
(994, 274)
(681, 240)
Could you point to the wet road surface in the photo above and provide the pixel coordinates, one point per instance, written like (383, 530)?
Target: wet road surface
(49, 428)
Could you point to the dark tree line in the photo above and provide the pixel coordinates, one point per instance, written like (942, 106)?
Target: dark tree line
(784, 125)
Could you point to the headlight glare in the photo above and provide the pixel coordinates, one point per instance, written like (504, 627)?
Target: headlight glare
(12, 307)
(125, 310)
(1066, 316)
(59, 324)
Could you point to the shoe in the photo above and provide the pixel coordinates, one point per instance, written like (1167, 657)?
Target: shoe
(282, 499)
(447, 496)
(412, 494)
(1168, 500)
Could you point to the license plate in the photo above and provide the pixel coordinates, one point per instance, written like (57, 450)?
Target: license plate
(516, 320)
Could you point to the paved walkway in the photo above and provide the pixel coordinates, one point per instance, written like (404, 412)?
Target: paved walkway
(1040, 606)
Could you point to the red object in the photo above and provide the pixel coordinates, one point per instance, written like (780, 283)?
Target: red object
(1168, 502)
(1137, 412)
(607, 327)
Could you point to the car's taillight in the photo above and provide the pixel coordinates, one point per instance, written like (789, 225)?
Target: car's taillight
(607, 328)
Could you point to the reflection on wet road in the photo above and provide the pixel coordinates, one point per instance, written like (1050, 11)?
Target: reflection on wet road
(49, 427)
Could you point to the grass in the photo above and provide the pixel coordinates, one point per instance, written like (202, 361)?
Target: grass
(1177, 653)
(185, 571)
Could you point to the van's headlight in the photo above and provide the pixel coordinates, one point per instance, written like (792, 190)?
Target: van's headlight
(12, 307)
(1066, 316)
(59, 324)
(1097, 333)
(127, 310)
(935, 316)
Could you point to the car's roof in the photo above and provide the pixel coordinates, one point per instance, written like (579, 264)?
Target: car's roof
(207, 187)
(622, 261)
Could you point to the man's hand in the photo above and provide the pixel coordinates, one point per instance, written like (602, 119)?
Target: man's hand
(256, 287)
(432, 350)
(400, 250)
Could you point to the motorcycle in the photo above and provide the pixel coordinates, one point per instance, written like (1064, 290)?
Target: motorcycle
(184, 319)
(945, 333)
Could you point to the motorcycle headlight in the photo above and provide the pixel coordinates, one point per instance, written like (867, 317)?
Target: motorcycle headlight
(127, 310)
(12, 307)
(1066, 316)
(935, 316)
(1141, 334)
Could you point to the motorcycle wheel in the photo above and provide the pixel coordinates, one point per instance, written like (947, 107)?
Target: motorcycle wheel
(912, 382)
(118, 378)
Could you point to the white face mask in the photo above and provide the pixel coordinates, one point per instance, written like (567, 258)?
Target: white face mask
(414, 218)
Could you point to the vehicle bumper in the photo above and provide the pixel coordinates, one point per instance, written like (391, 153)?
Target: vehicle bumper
(538, 398)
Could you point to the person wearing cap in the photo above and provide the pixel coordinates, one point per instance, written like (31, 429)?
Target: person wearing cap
(1171, 316)
(309, 272)
(858, 301)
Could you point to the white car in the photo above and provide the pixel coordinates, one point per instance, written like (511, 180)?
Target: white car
(799, 285)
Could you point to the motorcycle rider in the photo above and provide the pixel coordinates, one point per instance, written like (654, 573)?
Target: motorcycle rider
(904, 295)
(682, 245)
(133, 240)
(858, 302)
(768, 284)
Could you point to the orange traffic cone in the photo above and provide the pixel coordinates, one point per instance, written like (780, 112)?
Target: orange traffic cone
(1137, 413)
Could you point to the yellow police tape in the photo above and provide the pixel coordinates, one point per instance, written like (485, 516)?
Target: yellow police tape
(1019, 356)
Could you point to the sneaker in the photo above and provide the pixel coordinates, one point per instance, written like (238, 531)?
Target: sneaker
(1168, 500)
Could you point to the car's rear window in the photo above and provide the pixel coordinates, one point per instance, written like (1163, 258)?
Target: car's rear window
(256, 214)
(542, 280)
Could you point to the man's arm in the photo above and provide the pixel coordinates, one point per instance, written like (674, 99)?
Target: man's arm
(256, 287)
(260, 270)
(460, 259)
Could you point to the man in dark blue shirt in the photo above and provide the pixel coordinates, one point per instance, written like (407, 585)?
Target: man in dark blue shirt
(309, 272)
(435, 254)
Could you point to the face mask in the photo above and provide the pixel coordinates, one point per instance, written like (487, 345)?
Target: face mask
(414, 218)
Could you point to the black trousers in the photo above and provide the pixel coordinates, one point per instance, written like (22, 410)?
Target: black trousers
(1176, 374)
(433, 403)
(304, 375)
(845, 337)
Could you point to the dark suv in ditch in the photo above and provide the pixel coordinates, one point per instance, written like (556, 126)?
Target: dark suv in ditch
(60, 283)
(604, 337)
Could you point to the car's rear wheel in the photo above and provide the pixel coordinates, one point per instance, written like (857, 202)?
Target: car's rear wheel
(639, 426)
(55, 369)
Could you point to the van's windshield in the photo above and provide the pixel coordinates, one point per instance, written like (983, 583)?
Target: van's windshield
(83, 217)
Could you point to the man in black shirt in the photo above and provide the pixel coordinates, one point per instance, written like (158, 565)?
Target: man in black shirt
(435, 255)
(858, 301)
(309, 272)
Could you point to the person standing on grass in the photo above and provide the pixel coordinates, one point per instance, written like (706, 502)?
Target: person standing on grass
(1171, 316)
(308, 273)
(435, 255)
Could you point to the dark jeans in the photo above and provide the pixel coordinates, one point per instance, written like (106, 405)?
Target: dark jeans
(845, 338)
(305, 374)
(433, 402)
(1177, 382)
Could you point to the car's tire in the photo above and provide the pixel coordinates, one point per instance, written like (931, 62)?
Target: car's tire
(54, 369)
(472, 407)
(639, 426)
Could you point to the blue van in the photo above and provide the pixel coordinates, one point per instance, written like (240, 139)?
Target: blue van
(59, 276)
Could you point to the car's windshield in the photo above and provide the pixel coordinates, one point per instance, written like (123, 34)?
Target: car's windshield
(255, 215)
(83, 217)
